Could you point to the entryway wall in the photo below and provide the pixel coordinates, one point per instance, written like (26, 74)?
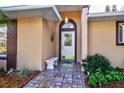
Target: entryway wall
(34, 43)
(76, 16)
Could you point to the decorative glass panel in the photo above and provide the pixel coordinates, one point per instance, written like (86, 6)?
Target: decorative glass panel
(3, 39)
(68, 25)
(68, 39)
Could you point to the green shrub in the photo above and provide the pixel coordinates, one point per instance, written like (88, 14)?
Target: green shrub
(109, 77)
(96, 61)
(117, 75)
(100, 77)
(97, 78)
(24, 72)
(92, 80)
(100, 71)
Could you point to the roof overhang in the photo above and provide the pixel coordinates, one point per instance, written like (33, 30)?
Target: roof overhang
(117, 16)
(50, 13)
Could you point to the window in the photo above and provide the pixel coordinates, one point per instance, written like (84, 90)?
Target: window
(68, 25)
(3, 40)
(68, 40)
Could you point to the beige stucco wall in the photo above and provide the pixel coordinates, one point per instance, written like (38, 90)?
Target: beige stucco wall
(48, 47)
(102, 39)
(34, 44)
(29, 43)
(76, 16)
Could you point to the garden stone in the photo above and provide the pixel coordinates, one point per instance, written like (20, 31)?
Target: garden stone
(11, 71)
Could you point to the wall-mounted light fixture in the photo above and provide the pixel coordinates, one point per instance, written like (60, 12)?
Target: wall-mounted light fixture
(66, 19)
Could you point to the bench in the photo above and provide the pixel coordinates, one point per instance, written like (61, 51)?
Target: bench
(51, 62)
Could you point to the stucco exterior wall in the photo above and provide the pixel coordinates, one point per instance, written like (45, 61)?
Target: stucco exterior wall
(34, 44)
(76, 16)
(29, 43)
(48, 47)
(102, 39)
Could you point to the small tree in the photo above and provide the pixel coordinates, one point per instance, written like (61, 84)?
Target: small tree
(114, 8)
(107, 8)
(3, 18)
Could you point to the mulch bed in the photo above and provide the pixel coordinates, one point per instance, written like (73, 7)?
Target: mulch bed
(13, 81)
(113, 84)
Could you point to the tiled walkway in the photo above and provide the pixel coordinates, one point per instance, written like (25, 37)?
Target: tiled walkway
(65, 75)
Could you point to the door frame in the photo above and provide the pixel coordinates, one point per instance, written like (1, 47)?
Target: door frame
(68, 29)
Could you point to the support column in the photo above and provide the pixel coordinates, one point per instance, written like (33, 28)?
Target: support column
(84, 27)
(12, 45)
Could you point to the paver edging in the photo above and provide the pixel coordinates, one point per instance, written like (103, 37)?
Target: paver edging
(23, 86)
(85, 83)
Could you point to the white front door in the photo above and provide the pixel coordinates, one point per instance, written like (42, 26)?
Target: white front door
(68, 45)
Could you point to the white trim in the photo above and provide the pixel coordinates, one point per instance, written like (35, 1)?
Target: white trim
(57, 13)
(84, 27)
(103, 14)
(23, 7)
(116, 16)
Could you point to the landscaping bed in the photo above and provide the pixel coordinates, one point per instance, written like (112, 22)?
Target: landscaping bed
(14, 81)
(100, 74)
(113, 84)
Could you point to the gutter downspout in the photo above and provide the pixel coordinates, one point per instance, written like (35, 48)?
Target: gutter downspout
(57, 14)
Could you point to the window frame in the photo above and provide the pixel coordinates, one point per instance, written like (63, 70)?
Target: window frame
(117, 33)
(4, 56)
(68, 29)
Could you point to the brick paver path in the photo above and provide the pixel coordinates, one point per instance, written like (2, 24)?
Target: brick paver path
(65, 75)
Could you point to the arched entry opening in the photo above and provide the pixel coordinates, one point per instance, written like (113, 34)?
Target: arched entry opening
(68, 41)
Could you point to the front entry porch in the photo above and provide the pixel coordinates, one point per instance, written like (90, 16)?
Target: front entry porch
(65, 75)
